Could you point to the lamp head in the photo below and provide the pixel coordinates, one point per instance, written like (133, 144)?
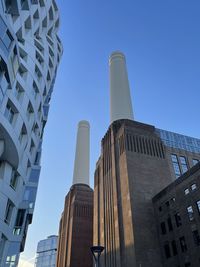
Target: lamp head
(96, 251)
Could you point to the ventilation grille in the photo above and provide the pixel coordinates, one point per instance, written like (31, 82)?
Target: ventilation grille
(142, 145)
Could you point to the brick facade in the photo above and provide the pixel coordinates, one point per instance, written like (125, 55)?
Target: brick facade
(76, 228)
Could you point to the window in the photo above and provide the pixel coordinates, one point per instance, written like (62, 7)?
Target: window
(167, 251)
(196, 237)
(38, 72)
(34, 175)
(9, 209)
(14, 179)
(176, 165)
(28, 166)
(190, 213)
(22, 133)
(174, 248)
(37, 158)
(183, 244)
(2, 246)
(29, 110)
(198, 205)
(7, 39)
(187, 191)
(9, 113)
(24, 5)
(35, 90)
(22, 54)
(39, 57)
(167, 203)
(10, 260)
(183, 164)
(4, 70)
(163, 228)
(19, 91)
(169, 222)
(19, 221)
(32, 146)
(30, 195)
(178, 219)
(22, 71)
(193, 187)
(195, 161)
(35, 128)
(187, 264)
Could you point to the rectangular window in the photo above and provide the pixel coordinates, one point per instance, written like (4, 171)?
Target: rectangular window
(169, 222)
(183, 244)
(178, 219)
(10, 261)
(183, 164)
(30, 195)
(187, 191)
(190, 213)
(14, 179)
(193, 187)
(176, 165)
(198, 205)
(19, 221)
(8, 213)
(174, 248)
(167, 251)
(196, 237)
(163, 228)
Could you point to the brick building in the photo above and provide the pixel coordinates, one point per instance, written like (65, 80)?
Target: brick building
(76, 224)
(137, 161)
(177, 210)
(76, 228)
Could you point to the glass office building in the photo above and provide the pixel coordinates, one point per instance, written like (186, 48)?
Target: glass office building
(46, 252)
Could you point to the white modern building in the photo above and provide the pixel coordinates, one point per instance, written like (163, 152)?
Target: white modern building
(30, 52)
(47, 252)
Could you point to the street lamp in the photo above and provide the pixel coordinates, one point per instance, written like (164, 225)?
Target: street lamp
(96, 252)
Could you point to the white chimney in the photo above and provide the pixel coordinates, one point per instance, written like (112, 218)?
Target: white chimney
(120, 98)
(82, 157)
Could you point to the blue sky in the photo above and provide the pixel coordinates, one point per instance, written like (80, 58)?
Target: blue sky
(161, 41)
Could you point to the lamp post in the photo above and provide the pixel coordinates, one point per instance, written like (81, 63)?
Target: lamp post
(96, 252)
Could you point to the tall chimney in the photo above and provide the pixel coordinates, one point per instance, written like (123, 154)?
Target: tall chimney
(120, 98)
(82, 157)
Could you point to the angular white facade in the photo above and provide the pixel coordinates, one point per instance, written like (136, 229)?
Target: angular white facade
(47, 252)
(30, 51)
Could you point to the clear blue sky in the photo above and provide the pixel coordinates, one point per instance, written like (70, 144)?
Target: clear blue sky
(161, 41)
